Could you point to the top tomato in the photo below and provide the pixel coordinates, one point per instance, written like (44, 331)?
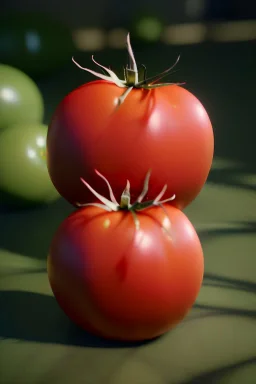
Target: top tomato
(164, 129)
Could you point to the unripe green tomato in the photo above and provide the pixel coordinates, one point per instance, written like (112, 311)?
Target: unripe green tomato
(20, 99)
(24, 178)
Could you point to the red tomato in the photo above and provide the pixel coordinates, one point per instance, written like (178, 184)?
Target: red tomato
(165, 129)
(124, 283)
(124, 134)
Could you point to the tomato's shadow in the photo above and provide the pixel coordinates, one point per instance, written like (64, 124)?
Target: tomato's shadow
(36, 317)
(9, 204)
(242, 227)
(29, 232)
(233, 177)
(215, 376)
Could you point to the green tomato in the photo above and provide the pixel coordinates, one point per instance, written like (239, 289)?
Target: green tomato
(20, 98)
(24, 178)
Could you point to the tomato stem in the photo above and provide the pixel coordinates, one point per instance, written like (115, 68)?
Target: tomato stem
(131, 75)
(133, 65)
(125, 202)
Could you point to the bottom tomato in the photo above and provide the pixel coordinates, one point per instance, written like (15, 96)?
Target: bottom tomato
(123, 283)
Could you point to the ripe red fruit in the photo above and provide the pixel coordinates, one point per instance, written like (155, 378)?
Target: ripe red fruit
(161, 127)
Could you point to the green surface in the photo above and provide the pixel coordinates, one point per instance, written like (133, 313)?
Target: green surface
(216, 343)
(20, 98)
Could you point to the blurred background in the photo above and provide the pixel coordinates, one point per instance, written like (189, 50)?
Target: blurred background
(114, 13)
(216, 41)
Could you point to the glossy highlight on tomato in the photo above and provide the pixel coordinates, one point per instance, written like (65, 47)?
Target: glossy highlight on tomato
(123, 283)
(123, 128)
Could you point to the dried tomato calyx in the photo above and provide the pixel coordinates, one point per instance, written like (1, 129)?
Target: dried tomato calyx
(131, 75)
(125, 203)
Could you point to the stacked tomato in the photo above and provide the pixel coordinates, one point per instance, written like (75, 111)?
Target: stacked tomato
(128, 270)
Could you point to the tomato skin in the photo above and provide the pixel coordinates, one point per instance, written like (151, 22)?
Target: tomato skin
(24, 179)
(166, 130)
(122, 283)
(21, 101)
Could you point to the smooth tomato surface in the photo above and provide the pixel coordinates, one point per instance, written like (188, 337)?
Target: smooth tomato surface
(24, 179)
(21, 101)
(122, 283)
(166, 130)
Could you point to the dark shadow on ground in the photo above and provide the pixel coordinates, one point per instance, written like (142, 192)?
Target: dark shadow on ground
(213, 280)
(214, 376)
(29, 232)
(36, 317)
(233, 177)
(238, 228)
